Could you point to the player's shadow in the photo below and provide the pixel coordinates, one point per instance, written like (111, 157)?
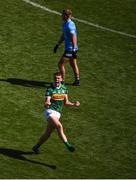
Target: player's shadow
(18, 154)
(27, 83)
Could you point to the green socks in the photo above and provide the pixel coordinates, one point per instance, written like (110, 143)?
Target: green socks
(69, 146)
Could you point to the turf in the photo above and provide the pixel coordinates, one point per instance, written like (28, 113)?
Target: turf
(103, 129)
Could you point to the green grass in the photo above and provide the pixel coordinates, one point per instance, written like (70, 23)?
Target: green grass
(103, 129)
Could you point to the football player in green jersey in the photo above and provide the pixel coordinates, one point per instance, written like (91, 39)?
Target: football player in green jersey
(56, 96)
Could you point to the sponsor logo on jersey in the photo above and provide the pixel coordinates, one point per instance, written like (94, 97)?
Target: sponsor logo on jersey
(58, 97)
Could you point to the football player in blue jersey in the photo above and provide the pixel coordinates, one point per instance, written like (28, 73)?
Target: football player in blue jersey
(69, 37)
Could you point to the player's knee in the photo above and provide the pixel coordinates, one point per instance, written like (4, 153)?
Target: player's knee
(60, 64)
(59, 126)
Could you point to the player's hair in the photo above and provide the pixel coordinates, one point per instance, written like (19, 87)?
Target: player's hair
(57, 74)
(68, 12)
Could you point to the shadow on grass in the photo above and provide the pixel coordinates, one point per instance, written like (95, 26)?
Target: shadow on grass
(27, 83)
(17, 154)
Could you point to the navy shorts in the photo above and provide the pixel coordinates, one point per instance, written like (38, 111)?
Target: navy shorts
(70, 54)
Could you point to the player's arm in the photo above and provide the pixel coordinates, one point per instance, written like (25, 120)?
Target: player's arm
(61, 39)
(74, 41)
(47, 102)
(69, 103)
(72, 29)
(59, 43)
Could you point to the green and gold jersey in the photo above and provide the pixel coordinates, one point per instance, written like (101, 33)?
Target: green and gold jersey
(57, 95)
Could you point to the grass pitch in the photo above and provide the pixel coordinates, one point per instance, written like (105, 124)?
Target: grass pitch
(103, 129)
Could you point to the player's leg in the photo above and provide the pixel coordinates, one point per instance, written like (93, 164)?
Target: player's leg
(44, 137)
(61, 66)
(73, 63)
(55, 121)
(47, 133)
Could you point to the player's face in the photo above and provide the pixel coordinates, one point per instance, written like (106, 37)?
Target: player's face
(58, 80)
(64, 17)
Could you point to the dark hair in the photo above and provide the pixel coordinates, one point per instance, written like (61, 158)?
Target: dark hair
(58, 74)
(68, 12)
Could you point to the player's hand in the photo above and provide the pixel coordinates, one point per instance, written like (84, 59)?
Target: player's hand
(77, 103)
(47, 104)
(74, 53)
(55, 48)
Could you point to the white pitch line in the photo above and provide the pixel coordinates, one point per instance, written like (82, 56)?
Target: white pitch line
(80, 20)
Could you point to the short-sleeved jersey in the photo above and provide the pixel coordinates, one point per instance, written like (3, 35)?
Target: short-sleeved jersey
(69, 29)
(57, 97)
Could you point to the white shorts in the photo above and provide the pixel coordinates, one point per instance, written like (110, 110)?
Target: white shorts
(51, 113)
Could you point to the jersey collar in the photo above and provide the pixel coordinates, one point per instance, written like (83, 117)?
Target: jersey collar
(67, 21)
(58, 87)
(53, 85)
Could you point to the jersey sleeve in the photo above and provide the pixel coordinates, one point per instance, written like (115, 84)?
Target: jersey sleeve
(48, 92)
(66, 90)
(72, 28)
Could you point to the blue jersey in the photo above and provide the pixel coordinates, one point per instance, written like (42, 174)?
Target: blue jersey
(69, 29)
